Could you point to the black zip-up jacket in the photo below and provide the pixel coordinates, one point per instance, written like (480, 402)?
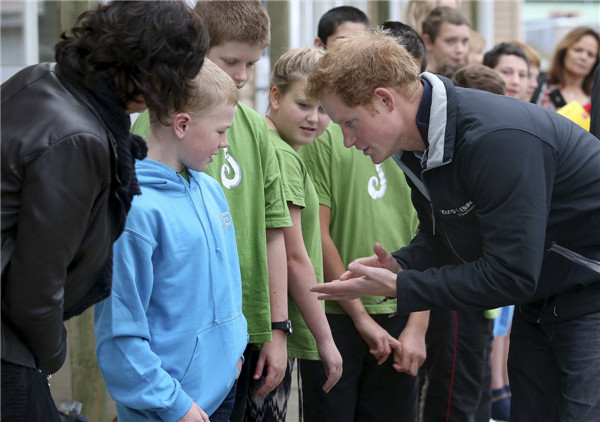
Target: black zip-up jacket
(508, 198)
(58, 218)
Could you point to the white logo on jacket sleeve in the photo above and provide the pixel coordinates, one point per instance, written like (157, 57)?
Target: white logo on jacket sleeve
(235, 171)
(460, 211)
(226, 219)
(377, 186)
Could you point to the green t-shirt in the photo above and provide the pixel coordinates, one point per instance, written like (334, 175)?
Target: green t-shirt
(249, 174)
(299, 190)
(369, 203)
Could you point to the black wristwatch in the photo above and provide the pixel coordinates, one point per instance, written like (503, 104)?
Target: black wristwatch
(286, 326)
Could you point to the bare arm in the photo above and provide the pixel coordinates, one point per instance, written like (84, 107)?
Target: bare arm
(301, 277)
(378, 339)
(274, 353)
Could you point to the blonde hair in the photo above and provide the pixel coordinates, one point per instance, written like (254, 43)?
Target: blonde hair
(355, 66)
(416, 11)
(244, 21)
(211, 86)
(293, 65)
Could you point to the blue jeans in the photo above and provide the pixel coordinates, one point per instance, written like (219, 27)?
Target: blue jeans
(554, 370)
(223, 412)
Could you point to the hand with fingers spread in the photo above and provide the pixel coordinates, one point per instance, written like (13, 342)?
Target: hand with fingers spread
(370, 276)
(381, 259)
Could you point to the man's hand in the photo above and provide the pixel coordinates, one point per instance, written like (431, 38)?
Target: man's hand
(273, 355)
(332, 361)
(359, 281)
(380, 342)
(195, 414)
(381, 259)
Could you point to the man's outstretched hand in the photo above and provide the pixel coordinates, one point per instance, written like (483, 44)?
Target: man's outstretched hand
(370, 276)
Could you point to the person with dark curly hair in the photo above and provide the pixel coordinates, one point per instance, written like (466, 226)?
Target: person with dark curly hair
(68, 175)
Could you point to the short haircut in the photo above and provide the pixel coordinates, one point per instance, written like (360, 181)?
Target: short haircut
(410, 39)
(492, 57)
(294, 65)
(447, 70)
(354, 67)
(556, 72)
(443, 14)
(212, 86)
(478, 76)
(533, 57)
(333, 18)
(244, 21)
(149, 49)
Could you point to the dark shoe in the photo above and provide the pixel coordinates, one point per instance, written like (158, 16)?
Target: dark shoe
(501, 404)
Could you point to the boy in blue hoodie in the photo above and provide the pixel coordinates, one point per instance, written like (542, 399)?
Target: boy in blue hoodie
(169, 339)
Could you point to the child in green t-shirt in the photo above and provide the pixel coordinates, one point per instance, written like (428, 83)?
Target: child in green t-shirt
(295, 120)
(249, 174)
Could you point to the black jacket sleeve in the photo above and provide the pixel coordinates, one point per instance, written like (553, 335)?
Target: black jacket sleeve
(509, 176)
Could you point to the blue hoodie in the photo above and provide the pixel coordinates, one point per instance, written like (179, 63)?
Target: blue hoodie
(172, 330)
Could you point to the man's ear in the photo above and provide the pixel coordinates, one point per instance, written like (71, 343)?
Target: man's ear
(181, 123)
(427, 41)
(384, 97)
(319, 43)
(275, 98)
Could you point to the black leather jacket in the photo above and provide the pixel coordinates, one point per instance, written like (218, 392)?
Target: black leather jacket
(57, 225)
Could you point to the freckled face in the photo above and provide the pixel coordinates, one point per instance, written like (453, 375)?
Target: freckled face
(377, 133)
(237, 59)
(299, 120)
(205, 136)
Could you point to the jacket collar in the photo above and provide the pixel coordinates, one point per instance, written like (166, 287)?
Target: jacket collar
(441, 133)
(442, 121)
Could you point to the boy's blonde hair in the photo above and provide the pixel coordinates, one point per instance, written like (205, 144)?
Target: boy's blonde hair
(212, 86)
(244, 21)
(293, 65)
(354, 67)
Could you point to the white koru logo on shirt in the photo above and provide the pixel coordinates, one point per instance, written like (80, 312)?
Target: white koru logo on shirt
(377, 186)
(230, 176)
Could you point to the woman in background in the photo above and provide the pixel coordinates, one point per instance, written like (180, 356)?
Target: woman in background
(571, 72)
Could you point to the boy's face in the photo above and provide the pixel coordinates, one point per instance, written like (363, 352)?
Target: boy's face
(205, 136)
(237, 59)
(299, 120)
(513, 71)
(450, 46)
(343, 30)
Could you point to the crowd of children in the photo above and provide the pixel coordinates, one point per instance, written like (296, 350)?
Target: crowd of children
(241, 217)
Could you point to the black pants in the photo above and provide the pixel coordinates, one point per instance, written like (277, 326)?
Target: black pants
(26, 395)
(367, 392)
(458, 367)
